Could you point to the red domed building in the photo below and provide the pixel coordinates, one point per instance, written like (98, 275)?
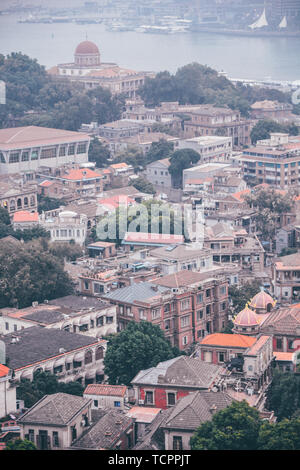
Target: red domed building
(87, 54)
(88, 69)
(246, 322)
(262, 302)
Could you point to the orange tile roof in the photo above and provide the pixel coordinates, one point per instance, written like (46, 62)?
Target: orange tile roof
(229, 340)
(107, 390)
(3, 370)
(115, 201)
(81, 174)
(46, 183)
(119, 165)
(241, 194)
(283, 356)
(258, 345)
(26, 216)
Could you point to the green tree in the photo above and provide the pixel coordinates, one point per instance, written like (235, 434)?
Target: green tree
(4, 216)
(270, 205)
(69, 251)
(98, 153)
(23, 279)
(143, 185)
(159, 150)
(46, 203)
(284, 435)
(139, 346)
(181, 160)
(239, 296)
(44, 383)
(233, 428)
(264, 127)
(20, 444)
(283, 395)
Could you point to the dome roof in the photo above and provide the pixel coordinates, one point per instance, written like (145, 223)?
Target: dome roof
(246, 318)
(87, 47)
(262, 300)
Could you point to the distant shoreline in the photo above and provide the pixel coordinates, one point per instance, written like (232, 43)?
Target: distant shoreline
(252, 34)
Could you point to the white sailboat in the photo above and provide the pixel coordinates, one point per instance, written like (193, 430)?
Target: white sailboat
(262, 21)
(283, 23)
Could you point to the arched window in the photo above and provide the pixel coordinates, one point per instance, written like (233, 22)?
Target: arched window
(99, 353)
(88, 358)
(25, 201)
(19, 203)
(32, 200)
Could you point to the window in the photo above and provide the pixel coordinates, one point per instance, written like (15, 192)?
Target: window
(185, 304)
(98, 288)
(177, 443)
(184, 340)
(35, 154)
(96, 403)
(184, 321)
(55, 441)
(199, 298)
(25, 156)
(81, 148)
(99, 354)
(49, 152)
(155, 313)
(14, 157)
(149, 398)
(208, 292)
(6, 325)
(221, 357)
(117, 404)
(279, 343)
(171, 399)
(223, 290)
(86, 285)
(199, 315)
(71, 149)
(31, 435)
(62, 151)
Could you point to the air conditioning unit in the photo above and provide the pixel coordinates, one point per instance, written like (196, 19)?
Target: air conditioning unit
(141, 402)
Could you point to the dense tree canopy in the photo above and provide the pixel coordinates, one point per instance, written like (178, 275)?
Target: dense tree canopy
(283, 395)
(264, 127)
(143, 185)
(234, 428)
(159, 150)
(239, 427)
(270, 205)
(98, 153)
(44, 383)
(199, 84)
(139, 346)
(30, 274)
(181, 160)
(34, 97)
(20, 444)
